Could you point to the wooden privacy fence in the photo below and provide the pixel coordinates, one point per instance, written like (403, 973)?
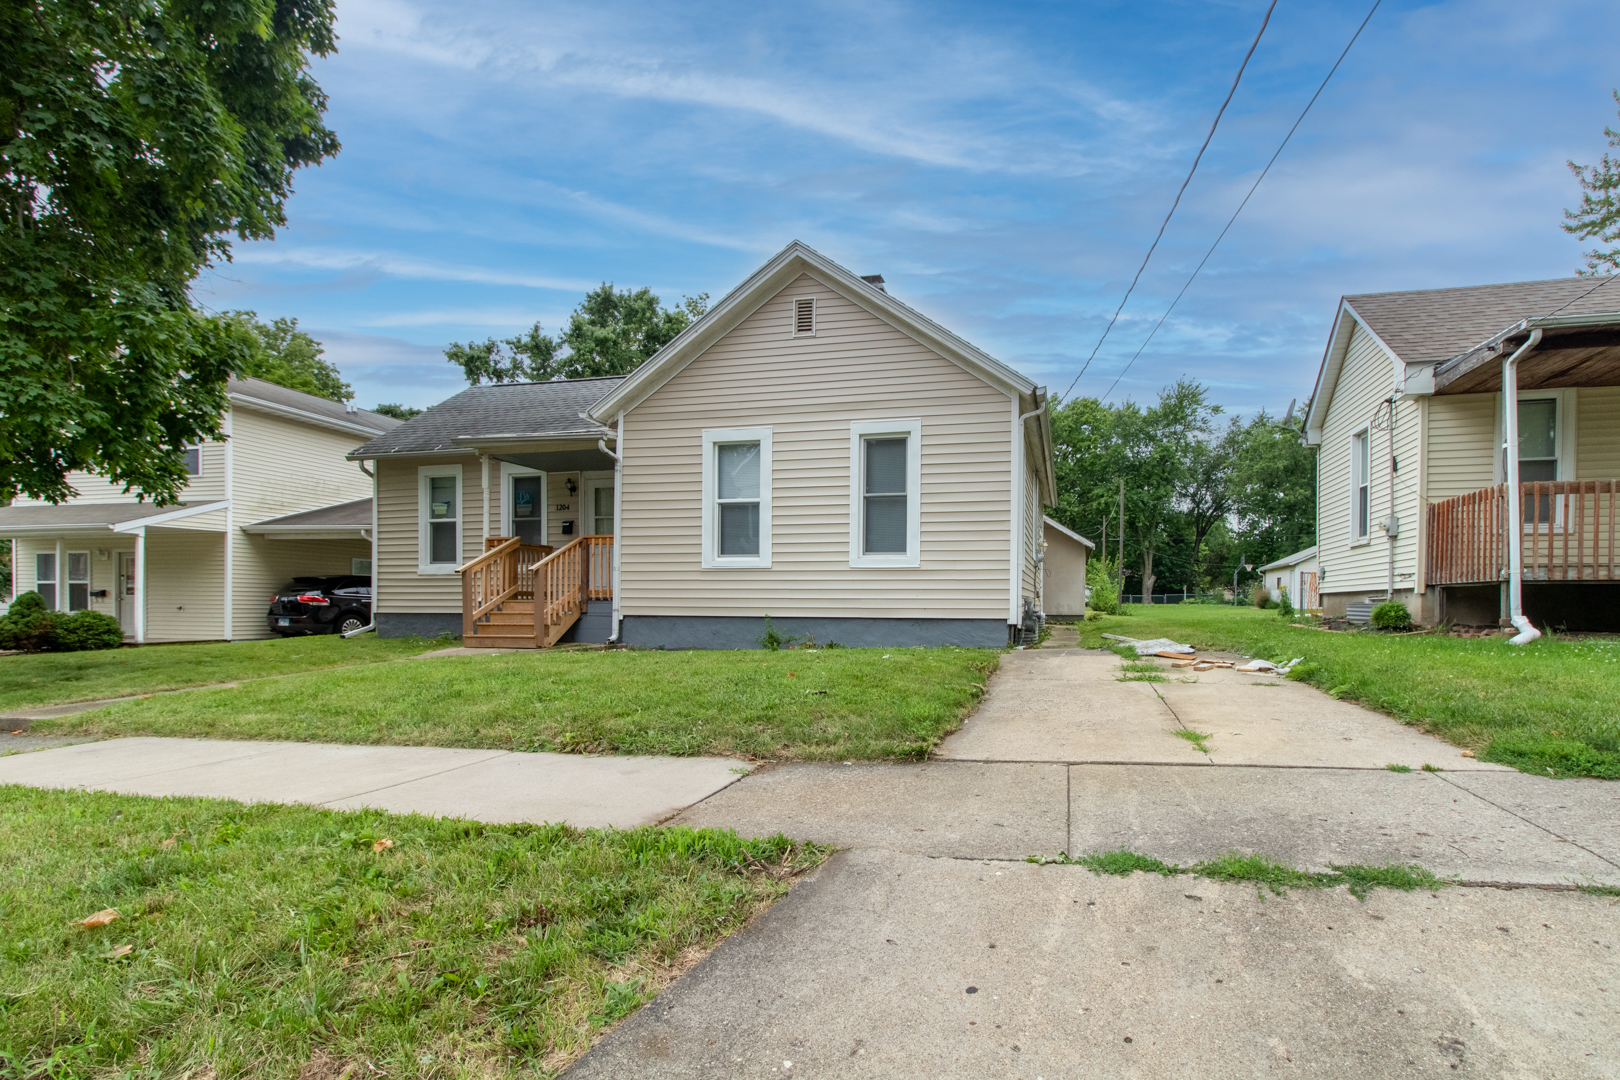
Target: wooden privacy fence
(505, 571)
(1568, 533)
(568, 579)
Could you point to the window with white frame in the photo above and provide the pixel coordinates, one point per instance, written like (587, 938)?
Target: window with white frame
(1361, 485)
(737, 497)
(1538, 457)
(439, 519)
(193, 456)
(78, 580)
(45, 577)
(885, 512)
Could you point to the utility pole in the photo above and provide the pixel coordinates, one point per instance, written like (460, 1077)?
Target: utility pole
(1119, 597)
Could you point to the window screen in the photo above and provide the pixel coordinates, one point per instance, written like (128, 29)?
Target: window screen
(884, 531)
(737, 488)
(442, 519)
(45, 578)
(78, 582)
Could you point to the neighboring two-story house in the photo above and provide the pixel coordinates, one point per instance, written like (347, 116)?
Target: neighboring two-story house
(275, 499)
(811, 451)
(1409, 416)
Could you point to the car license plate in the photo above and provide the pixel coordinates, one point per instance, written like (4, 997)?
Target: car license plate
(283, 622)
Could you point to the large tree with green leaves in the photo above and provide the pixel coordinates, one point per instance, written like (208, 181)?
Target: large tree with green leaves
(1599, 213)
(281, 353)
(1273, 488)
(136, 138)
(610, 333)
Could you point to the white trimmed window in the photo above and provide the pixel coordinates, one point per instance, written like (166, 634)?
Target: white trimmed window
(885, 481)
(804, 316)
(439, 519)
(78, 581)
(45, 577)
(1360, 486)
(737, 498)
(193, 456)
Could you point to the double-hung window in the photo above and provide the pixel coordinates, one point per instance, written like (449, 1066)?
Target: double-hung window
(45, 578)
(1360, 486)
(1538, 458)
(737, 497)
(78, 580)
(439, 519)
(885, 510)
(193, 456)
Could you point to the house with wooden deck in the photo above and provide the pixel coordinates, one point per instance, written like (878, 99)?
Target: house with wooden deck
(811, 452)
(274, 499)
(1411, 420)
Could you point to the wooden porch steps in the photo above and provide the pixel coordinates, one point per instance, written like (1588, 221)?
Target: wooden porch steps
(526, 597)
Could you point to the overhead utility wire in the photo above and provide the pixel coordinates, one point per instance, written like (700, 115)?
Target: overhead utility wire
(1249, 196)
(1606, 279)
(1216, 123)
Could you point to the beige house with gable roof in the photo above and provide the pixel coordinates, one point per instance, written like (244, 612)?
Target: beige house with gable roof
(1409, 417)
(204, 569)
(811, 451)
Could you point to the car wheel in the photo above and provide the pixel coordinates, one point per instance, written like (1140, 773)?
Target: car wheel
(348, 623)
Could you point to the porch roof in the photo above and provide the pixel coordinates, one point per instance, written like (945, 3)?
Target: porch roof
(88, 519)
(341, 521)
(1575, 350)
(501, 414)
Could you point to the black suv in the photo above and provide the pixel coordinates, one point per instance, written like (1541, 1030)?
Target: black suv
(321, 605)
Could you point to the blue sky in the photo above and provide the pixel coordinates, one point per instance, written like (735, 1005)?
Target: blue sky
(1003, 166)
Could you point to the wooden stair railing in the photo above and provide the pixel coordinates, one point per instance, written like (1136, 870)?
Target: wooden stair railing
(566, 581)
(504, 572)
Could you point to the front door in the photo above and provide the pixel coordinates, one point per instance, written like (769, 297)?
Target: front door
(126, 593)
(526, 495)
(598, 504)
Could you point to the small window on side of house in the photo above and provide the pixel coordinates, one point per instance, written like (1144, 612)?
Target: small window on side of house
(885, 492)
(45, 577)
(737, 498)
(439, 519)
(1361, 485)
(193, 455)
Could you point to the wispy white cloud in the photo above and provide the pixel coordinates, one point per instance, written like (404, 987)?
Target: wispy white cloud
(401, 266)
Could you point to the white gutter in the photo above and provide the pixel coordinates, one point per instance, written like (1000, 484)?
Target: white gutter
(1515, 521)
(618, 502)
(372, 625)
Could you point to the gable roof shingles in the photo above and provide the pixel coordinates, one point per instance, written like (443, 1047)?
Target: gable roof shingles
(274, 394)
(1430, 325)
(548, 409)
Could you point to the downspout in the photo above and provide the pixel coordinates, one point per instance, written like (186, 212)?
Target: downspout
(618, 496)
(1515, 521)
(1020, 510)
(372, 625)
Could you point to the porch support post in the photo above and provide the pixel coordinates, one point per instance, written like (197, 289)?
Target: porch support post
(618, 503)
(61, 574)
(483, 460)
(140, 586)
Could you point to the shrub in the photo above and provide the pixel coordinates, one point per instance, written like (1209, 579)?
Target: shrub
(29, 625)
(1391, 615)
(1259, 596)
(84, 631)
(1103, 577)
(1285, 607)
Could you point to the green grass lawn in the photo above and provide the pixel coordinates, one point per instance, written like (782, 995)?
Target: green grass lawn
(1552, 707)
(825, 705)
(274, 941)
(57, 678)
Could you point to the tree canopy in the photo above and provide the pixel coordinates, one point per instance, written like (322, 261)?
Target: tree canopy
(398, 412)
(281, 353)
(136, 137)
(1599, 213)
(610, 333)
(1196, 489)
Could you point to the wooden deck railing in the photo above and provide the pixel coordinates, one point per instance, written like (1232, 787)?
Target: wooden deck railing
(1569, 529)
(505, 571)
(566, 581)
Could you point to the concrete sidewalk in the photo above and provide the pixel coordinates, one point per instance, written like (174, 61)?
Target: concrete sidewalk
(485, 785)
(886, 965)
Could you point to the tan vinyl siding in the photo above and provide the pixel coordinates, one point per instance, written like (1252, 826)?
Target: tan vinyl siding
(283, 466)
(1462, 431)
(808, 390)
(1597, 433)
(185, 585)
(1365, 381)
(401, 588)
(208, 484)
(1032, 531)
(103, 572)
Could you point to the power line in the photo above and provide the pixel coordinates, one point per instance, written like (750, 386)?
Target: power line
(1606, 279)
(1250, 195)
(1216, 123)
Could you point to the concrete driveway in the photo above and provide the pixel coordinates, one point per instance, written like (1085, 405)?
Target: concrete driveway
(928, 947)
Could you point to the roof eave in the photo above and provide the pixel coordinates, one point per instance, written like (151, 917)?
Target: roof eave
(276, 409)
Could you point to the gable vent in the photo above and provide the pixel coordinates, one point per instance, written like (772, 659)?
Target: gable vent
(804, 316)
